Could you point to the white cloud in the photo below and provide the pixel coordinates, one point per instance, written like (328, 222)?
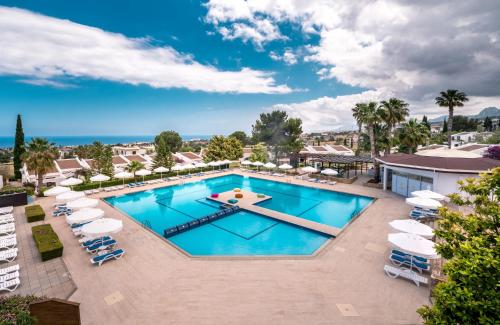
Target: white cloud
(44, 49)
(288, 56)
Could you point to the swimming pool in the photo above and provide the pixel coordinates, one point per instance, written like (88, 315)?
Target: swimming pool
(243, 233)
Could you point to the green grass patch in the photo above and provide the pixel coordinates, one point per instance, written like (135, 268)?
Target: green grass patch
(47, 242)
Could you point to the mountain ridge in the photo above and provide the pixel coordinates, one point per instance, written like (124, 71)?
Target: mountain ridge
(485, 112)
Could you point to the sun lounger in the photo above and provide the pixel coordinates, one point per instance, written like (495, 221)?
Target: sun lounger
(394, 272)
(6, 210)
(10, 285)
(8, 255)
(9, 269)
(406, 255)
(99, 259)
(9, 276)
(87, 192)
(399, 260)
(101, 245)
(8, 243)
(332, 183)
(9, 219)
(91, 242)
(7, 229)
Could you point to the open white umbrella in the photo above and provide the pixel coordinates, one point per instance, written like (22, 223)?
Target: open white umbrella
(85, 215)
(213, 164)
(143, 172)
(329, 172)
(178, 168)
(71, 182)
(200, 165)
(102, 227)
(269, 165)
(423, 203)
(285, 167)
(413, 244)
(258, 164)
(309, 169)
(161, 170)
(428, 194)
(226, 162)
(189, 167)
(100, 178)
(412, 227)
(82, 203)
(220, 163)
(69, 196)
(56, 190)
(123, 176)
(246, 163)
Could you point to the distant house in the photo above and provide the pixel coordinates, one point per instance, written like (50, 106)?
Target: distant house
(461, 138)
(328, 150)
(188, 157)
(61, 169)
(128, 150)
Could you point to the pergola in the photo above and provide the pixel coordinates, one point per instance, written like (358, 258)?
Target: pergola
(339, 160)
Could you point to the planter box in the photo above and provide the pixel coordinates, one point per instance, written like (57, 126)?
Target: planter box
(34, 213)
(13, 199)
(47, 242)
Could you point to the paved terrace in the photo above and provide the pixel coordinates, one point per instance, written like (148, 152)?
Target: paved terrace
(154, 283)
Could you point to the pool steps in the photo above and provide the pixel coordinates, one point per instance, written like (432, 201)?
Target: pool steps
(226, 211)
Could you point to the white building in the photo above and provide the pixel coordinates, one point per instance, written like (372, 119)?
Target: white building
(461, 138)
(61, 169)
(128, 150)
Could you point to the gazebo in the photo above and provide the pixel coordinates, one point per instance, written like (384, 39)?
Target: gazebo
(339, 162)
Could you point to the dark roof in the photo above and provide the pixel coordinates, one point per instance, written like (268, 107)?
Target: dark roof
(319, 148)
(117, 160)
(465, 165)
(68, 164)
(338, 159)
(340, 148)
(473, 147)
(135, 158)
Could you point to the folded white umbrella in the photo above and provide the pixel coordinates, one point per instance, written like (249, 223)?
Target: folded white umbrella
(56, 191)
(102, 227)
(71, 181)
(309, 169)
(412, 227)
(329, 172)
(428, 194)
(413, 244)
(423, 203)
(69, 196)
(82, 203)
(85, 215)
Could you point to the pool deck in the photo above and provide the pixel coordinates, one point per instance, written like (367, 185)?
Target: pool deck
(154, 283)
(250, 199)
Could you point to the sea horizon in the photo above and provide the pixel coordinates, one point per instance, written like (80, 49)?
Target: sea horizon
(76, 140)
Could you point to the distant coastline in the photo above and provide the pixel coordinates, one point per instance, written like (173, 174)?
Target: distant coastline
(8, 142)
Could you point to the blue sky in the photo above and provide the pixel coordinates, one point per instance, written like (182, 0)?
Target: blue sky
(139, 67)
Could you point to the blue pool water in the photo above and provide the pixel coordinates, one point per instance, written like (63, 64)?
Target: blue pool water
(243, 233)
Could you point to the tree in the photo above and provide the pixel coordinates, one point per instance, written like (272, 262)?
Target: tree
(233, 148)
(463, 123)
(97, 156)
(221, 148)
(163, 157)
(494, 138)
(393, 111)
(134, 166)
(426, 123)
(488, 124)
(39, 157)
(259, 153)
(469, 242)
(18, 148)
(173, 140)
(107, 161)
(451, 98)
(445, 126)
(292, 143)
(240, 135)
(412, 135)
(83, 151)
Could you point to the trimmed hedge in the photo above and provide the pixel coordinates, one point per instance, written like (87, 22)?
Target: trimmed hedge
(34, 213)
(47, 242)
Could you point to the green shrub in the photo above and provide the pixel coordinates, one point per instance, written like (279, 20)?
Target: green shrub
(34, 213)
(15, 309)
(12, 190)
(47, 242)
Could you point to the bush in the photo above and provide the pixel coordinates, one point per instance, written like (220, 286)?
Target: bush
(34, 213)
(12, 190)
(15, 309)
(47, 242)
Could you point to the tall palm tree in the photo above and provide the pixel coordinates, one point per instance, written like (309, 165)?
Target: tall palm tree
(413, 134)
(451, 98)
(369, 114)
(39, 157)
(393, 112)
(134, 166)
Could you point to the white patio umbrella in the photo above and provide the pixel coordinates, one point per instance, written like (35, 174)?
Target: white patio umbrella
(329, 172)
(161, 170)
(69, 196)
(226, 162)
(213, 164)
(423, 203)
(285, 167)
(309, 169)
(269, 165)
(178, 168)
(100, 178)
(413, 244)
(201, 165)
(428, 194)
(85, 215)
(143, 172)
(71, 182)
(246, 163)
(258, 164)
(56, 190)
(220, 163)
(123, 176)
(102, 227)
(412, 227)
(189, 167)
(82, 203)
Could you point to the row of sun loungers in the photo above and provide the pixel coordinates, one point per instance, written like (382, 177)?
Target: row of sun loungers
(9, 276)
(405, 265)
(6, 210)
(419, 213)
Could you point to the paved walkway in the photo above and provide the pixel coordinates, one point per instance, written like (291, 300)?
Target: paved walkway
(154, 283)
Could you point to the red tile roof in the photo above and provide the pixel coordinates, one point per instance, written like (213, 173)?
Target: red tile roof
(135, 158)
(117, 160)
(340, 148)
(68, 164)
(319, 148)
(190, 155)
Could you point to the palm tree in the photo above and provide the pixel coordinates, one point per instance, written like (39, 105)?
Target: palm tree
(451, 98)
(413, 134)
(393, 112)
(134, 166)
(39, 157)
(370, 115)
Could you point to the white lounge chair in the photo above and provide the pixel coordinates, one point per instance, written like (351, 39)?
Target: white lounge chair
(394, 272)
(7, 218)
(8, 243)
(9, 269)
(7, 229)
(8, 255)
(9, 276)
(10, 285)
(6, 210)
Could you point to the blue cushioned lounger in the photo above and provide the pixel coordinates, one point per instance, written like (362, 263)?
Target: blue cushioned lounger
(399, 260)
(100, 245)
(407, 256)
(93, 241)
(99, 259)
